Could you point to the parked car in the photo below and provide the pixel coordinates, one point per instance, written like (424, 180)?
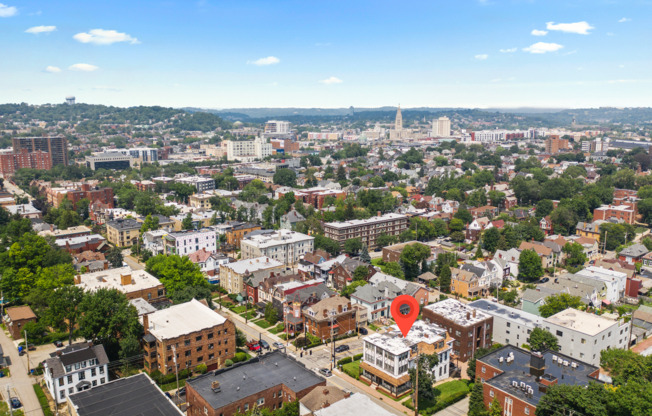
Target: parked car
(544, 280)
(58, 344)
(182, 391)
(363, 331)
(168, 395)
(325, 372)
(264, 344)
(341, 348)
(15, 403)
(253, 346)
(278, 345)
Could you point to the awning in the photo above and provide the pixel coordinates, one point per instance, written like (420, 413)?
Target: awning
(606, 302)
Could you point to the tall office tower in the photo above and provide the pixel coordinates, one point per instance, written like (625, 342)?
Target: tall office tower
(441, 127)
(398, 124)
(57, 147)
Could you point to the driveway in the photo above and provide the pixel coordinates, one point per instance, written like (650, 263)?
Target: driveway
(19, 381)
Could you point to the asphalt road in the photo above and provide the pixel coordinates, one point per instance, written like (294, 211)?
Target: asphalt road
(19, 382)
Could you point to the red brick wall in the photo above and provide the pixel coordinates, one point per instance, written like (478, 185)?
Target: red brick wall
(518, 406)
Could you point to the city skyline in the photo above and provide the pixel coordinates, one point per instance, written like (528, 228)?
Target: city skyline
(214, 54)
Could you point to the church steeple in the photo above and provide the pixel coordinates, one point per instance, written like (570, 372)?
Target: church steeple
(398, 124)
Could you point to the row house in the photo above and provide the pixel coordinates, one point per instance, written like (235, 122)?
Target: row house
(342, 274)
(329, 318)
(187, 242)
(308, 264)
(209, 263)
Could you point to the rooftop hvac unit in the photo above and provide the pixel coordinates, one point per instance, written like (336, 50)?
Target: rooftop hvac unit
(566, 363)
(515, 383)
(574, 365)
(510, 359)
(501, 359)
(554, 358)
(522, 385)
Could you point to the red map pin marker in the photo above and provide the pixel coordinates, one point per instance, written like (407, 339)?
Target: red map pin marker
(405, 321)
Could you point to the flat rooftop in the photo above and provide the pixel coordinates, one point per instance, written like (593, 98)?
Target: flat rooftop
(112, 279)
(511, 314)
(251, 377)
(368, 221)
(458, 312)
(394, 342)
(584, 322)
(253, 265)
(183, 319)
(269, 238)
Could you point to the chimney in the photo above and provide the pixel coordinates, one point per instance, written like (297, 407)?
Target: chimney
(468, 315)
(125, 279)
(474, 313)
(339, 308)
(325, 313)
(379, 214)
(78, 279)
(146, 323)
(215, 386)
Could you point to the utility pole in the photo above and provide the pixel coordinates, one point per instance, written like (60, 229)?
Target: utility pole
(332, 343)
(416, 389)
(27, 352)
(176, 366)
(11, 409)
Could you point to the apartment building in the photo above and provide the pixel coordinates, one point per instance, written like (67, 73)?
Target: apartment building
(184, 243)
(248, 150)
(582, 335)
(268, 381)
(388, 356)
(232, 274)
(237, 230)
(77, 367)
(555, 145)
(11, 162)
(518, 378)
(619, 212)
(200, 201)
(133, 283)
(200, 183)
(187, 334)
(75, 193)
(123, 232)
(275, 126)
(366, 230)
(285, 246)
(56, 147)
(511, 325)
(470, 328)
(330, 317)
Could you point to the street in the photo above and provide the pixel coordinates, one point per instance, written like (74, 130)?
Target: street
(10, 187)
(19, 381)
(131, 262)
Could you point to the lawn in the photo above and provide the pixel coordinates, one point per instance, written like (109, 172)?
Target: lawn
(262, 323)
(352, 369)
(451, 388)
(445, 395)
(239, 309)
(278, 328)
(248, 315)
(173, 385)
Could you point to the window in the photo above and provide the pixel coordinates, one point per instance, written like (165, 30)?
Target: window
(94, 383)
(246, 406)
(484, 370)
(69, 379)
(198, 338)
(62, 394)
(186, 342)
(261, 401)
(102, 370)
(491, 393)
(71, 390)
(102, 380)
(82, 375)
(92, 372)
(583, 341)
(527, 410)
(559, 333)
(210, 336)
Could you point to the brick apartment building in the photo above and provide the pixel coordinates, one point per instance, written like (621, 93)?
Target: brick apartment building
(333, 315)
(56, 147)
(315, 196)
(268, 381)
(236, 233)
(11, 162)
(55, 196)
(393, 253)
(471, 328)
(366, 230)
(192, 331)
(621, 212)
(518, 379)
(555, 145)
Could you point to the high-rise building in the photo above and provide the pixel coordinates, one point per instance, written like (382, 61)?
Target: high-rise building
(57, 147)
(398, 123)
(554, 144)
(11, 162)
(275, 126)
(441, 127)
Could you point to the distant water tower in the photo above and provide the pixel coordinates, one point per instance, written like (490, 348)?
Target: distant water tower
(70, 100)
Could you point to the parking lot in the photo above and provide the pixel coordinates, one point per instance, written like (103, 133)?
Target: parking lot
(321, 355)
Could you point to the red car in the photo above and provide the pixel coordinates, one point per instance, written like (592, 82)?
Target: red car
(253, 346)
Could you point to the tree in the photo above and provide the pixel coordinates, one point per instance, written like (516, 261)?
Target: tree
(328, 244)
(574, 254)
(364, 255)
(175, 272)
(411, 258)
(285, 177)
(349, 289)
(360, 273)
(478, 253)
(476, 401)
(544, 207)
(458, 236)
(107, 316)
(529, 266)
(393, 268)
(353, 246)
(114, 256)
(445, 279)
(464, 215)
(495, 409)
(456, 224)
(558, 303)
(541, 340)
(186, 224)
(490, 239)
(384, 240)
(424, 364)
(189, 293)
(64, 309)
(271, 315)
(341, 173)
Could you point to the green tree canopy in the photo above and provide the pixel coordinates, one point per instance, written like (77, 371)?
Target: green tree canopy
(176, 272)
(558, 303)
(529, 266)
(541, 340)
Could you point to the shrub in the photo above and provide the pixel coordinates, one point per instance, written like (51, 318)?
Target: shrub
(43, 400)
(201, 368)
(344, 361)
(228, 363)
(240, 356)
(357, 357)
(301, 342)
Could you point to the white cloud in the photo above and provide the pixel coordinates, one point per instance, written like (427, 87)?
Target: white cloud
(331, 80)
(7, 11)
(52, 69)
(482, 57)
(83, 67)
(270, 60)
(537, 32)
(41, 29)
(543, 47)
(104, 37)
(581, 28)
(624, 20)
(508, 50)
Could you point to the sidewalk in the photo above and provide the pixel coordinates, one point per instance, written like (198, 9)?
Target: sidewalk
(19, 380)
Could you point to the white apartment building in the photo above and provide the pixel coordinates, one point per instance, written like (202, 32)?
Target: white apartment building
(275, 126)
(285, 246)
(202, 184)
(76, 368)
(614, 281)
(511, 326)
(388, 356)
(186, 242)
(441, 127)
(249, 150)
(584, 335)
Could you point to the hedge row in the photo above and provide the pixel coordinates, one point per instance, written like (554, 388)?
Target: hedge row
(440, 405)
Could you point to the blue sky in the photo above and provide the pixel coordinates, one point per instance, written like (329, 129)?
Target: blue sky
(313, 53)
